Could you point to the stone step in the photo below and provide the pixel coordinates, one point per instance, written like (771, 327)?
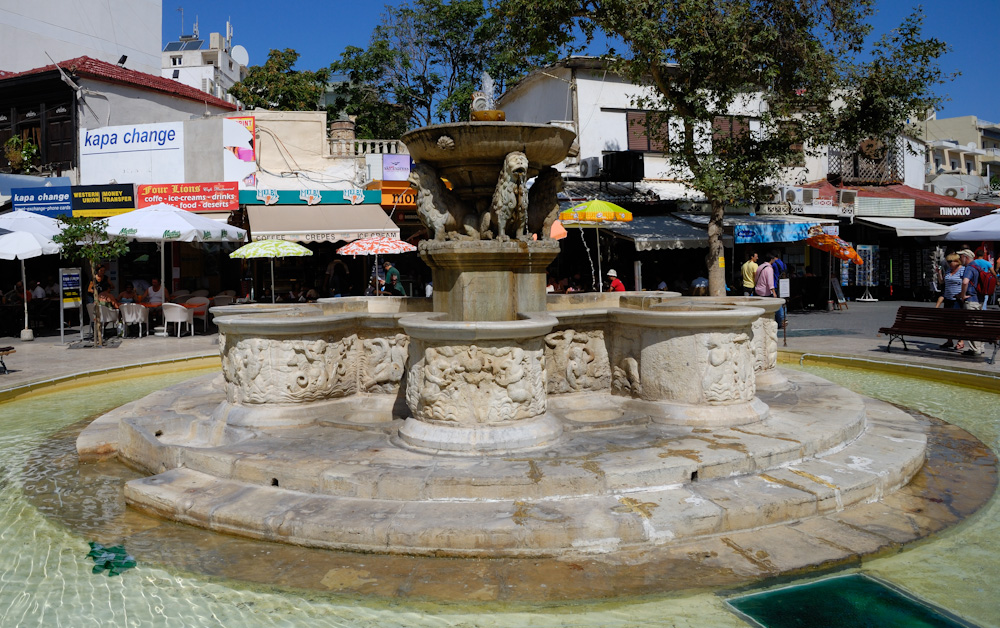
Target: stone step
(884, 457)
(627, 453)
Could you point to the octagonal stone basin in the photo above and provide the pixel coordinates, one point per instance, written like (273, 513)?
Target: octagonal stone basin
(471, 156)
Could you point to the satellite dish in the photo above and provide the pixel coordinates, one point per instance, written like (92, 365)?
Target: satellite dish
(240, 55)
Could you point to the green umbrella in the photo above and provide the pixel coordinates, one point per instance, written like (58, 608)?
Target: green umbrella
(270, 249)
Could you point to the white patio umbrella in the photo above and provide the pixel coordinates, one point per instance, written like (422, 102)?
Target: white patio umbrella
(25, 245)
(20, 220)
(166, 223)
(977, 229)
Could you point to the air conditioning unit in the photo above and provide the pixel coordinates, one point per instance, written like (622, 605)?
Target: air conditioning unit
(625, 165)
(809, 196)
(792, 195)
(590, 167)
(846, 197)
(957, 192)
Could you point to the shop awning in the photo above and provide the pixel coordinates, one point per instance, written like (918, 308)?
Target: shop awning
(760, 229)
(655, 233)
(217, 216)
(906, 226)
(319, 223)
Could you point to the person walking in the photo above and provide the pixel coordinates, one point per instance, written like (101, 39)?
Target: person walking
(765, 285)
(749, 271)
(616, 284)
(952, 288)
(967, 297)
(984, 264)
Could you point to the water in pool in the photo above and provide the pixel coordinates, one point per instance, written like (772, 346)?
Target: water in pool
(46, 580)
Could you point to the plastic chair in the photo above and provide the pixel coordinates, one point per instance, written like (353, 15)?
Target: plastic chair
(200, 293)
(183, 298)
(135, 314)
(227, 293)
(180, 293)
(104, 316)
(201, 309)
(178, 314)
(222, 299)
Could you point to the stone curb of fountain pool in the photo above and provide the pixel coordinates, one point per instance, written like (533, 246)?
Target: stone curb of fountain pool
(960, 475)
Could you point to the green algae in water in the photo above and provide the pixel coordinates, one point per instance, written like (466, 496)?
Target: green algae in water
(115, 559)
(854, 601)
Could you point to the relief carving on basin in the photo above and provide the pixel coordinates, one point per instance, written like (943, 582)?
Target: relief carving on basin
(275, 376)
(480, 383)
(764, 335)
(476, 388)
(693, 364)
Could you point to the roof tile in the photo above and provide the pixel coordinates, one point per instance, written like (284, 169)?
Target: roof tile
(96, 69)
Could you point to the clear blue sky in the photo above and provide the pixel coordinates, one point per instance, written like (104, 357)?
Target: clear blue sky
(320, 29)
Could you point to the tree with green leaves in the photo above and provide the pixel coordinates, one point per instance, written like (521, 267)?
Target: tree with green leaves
(277, 85)
(803, 65)
(86, 239)
(424, 62)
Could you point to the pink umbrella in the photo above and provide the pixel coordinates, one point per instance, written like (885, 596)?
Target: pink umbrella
(379, 245)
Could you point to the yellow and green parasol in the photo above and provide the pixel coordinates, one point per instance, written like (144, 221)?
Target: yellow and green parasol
(270, 249)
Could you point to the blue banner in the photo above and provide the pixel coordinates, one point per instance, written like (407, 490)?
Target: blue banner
(770, 232)
(52, 201)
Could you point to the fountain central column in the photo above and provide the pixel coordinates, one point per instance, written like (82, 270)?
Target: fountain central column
(476, 376)
(488, 280)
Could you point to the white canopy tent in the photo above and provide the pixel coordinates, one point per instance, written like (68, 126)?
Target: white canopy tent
(977, 229)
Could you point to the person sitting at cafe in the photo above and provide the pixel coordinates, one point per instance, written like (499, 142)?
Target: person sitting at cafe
(17, 296)
(38, 292)
(128, 295)
(392, 284)
(103, 287)
(156, 295)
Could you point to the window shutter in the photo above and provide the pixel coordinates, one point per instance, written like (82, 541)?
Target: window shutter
(635, 122)
(659, 138)
(722, 127)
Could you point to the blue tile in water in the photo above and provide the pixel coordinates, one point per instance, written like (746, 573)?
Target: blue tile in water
(854, 601)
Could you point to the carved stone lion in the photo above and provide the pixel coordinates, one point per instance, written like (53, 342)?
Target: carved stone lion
(508, 210)
(439, 211)
(543, 202)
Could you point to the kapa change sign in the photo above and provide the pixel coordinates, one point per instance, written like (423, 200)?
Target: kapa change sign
(135, 153)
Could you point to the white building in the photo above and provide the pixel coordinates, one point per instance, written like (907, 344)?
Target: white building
(51, 105)
(212, 65)
(581, 93)
(64, 29)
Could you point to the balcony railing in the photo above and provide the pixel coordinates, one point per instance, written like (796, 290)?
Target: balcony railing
(360, 148)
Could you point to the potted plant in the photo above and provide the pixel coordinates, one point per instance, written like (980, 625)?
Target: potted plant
(20, 152)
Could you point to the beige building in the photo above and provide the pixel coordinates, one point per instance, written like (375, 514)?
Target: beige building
(964, 144)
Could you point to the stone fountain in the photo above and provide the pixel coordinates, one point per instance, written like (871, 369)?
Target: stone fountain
(494, 421)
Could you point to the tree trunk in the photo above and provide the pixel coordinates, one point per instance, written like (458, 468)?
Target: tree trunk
(716, 259)
(96, 320)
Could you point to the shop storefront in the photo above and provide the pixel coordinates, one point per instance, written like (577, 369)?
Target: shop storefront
(322, 220)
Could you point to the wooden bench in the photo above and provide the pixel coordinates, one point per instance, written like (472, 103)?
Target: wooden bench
(981, 326)
(5, 351)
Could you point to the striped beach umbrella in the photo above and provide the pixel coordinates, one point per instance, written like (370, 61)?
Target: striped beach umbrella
(379, 245)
